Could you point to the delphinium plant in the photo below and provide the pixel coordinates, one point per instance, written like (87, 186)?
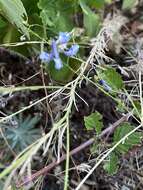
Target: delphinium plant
(60, 61)
(47, 29)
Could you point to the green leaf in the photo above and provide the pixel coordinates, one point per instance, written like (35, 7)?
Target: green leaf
(111, 165)
(112, 78)
(56, 14)
(91, 20)
(47, 21)
(2, 23)
(16, 14)
(132, 140)
(99, 4)
(48, 13)
(93, 121)
(30, 6)
(24, 134)
(128, 4)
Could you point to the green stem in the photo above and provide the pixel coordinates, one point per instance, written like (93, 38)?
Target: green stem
(67, 157)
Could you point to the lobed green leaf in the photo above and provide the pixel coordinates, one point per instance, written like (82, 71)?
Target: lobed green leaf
(94, 121)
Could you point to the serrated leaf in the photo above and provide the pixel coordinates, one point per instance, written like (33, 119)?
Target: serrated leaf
(91, 20)
(94, 121)
(132, 140)
(128, 4)
(112, 78)
(15, 12)
(111, 165)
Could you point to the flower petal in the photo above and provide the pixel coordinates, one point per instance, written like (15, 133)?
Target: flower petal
(55, 49)
(63, 38)
(58, 63)
(72, 51)
(45, 57)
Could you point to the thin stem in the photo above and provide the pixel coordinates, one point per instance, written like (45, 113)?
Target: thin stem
(67, 157)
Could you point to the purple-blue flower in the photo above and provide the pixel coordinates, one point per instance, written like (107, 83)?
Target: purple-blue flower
(105, 85)
(72, 50)
(59, 46)
(63, 37)
(58, 63)
(56, 58)
(45, 57)
(55, 49)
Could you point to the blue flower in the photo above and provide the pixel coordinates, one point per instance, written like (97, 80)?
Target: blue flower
(72, 50)
(45, 57)
(59, 46)
(56, 58)
(105, 85)
(55, 49)
(63, 37)
(58, 63)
